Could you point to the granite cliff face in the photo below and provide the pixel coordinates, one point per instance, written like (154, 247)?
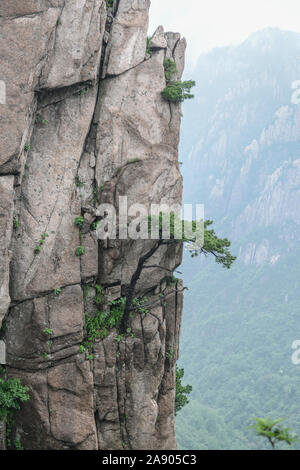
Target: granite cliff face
(84, 123)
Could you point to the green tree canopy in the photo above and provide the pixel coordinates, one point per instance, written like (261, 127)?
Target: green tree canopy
(272, 431)
(182, 392)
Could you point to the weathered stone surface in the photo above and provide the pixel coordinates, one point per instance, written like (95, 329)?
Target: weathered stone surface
(179, 56)
(172, 40)
(49, 203)
(19, 8)
(2, 435)
(166, 419)
(158, 40)
(86, 174)
(28, 325)
(78, 42)
(2, 352)
(144, 132)
(127, 44)
(89, 261)
(140, 377)
(134, 121)
(106, 395)
(44, 45)
(6, 224)
(32, 424)
(71, 402)
(60, 412)
(24, 43)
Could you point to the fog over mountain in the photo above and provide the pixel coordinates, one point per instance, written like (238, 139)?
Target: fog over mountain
(240, 149)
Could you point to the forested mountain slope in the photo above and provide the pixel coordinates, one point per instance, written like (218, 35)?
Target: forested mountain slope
(241, 158)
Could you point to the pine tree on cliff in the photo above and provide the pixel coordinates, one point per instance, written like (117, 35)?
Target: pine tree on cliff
(213, 245)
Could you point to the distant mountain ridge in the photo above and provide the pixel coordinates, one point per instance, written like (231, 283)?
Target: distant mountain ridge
(242, 135)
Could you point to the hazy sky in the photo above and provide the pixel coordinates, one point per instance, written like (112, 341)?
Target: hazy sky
(211, 23)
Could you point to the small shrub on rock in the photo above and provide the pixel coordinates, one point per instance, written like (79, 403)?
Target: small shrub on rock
(176, 92)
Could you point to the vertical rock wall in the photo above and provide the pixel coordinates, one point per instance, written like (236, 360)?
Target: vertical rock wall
(84, 123)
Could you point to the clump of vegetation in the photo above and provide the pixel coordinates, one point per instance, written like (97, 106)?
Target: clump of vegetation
(170, 70)
(40, 243)
(99, 297)
(57, 291)
(12, 394)
(27, 147)
(80, 251)
(138, 305)
(18, 445)
(119, 338)
(86, 290)
(83, 91)
(182, 392)
(95, 225)
(48, 331)
(148, 50)
(16, 222)
(78, 182)
(176, 91)
(172, 281)
(39, 120)
(272, 431)
(98, 326)
(79, 221)
(170, 353)
(95, 197)
(109, 3)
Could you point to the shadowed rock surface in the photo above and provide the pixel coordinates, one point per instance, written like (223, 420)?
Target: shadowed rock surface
(84, 123)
